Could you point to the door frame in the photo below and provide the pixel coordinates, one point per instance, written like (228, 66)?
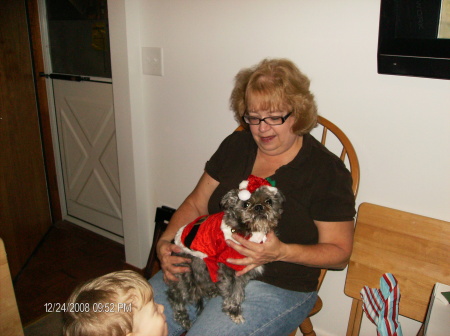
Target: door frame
(41, 52)
(44, 110)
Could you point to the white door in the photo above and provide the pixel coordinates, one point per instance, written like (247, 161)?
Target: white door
(86, 131)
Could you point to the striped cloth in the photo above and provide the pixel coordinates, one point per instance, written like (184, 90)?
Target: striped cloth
(381, 306)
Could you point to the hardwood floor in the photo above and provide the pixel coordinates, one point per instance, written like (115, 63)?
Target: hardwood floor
(68, 256)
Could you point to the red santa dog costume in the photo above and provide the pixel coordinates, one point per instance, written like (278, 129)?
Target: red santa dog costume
(205, 237)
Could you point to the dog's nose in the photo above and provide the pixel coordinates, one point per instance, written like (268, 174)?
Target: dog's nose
(259, 207)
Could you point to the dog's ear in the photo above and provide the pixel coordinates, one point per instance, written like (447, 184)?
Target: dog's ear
(230, 199)
(281, 199)
(280, 196)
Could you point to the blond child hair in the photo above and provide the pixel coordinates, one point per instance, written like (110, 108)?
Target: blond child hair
(106, 305)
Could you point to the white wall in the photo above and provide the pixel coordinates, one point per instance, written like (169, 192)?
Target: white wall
(169, 126)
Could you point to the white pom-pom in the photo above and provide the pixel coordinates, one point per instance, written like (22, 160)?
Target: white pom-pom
(244, 195)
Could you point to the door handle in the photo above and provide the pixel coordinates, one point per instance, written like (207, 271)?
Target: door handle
(73, 78)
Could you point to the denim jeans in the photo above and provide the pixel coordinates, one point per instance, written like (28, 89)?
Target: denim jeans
(268, 310)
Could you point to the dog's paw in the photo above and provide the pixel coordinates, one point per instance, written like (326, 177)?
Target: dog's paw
(186, 325)
(238, 319)
(183, 320)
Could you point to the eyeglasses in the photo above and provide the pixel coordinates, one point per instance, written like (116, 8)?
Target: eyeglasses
(273, 121)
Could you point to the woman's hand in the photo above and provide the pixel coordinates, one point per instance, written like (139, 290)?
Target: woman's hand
(196, 204)
(169, 262)
(332, 251)
(256, 254)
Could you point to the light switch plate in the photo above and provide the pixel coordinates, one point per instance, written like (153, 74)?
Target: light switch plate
(152, 61)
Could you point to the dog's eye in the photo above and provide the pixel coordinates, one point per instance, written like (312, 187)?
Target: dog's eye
(246, 205)
(269, 201)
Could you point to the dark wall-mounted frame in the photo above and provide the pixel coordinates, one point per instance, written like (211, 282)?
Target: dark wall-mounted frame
(408, 44)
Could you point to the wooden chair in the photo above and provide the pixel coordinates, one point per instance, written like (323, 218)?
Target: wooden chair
(10, 324)
(415, 249)
(348, 155)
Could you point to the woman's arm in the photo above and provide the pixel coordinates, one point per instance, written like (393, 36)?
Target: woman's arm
(333, 249)
(195, 205)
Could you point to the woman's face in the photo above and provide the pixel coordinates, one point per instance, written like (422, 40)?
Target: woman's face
(274, 139)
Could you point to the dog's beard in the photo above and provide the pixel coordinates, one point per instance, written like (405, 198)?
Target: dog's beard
(258, 222)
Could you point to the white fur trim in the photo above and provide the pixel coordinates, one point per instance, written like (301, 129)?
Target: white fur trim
(258, 237)
(227, 232)
(243, 184)
(178, 242)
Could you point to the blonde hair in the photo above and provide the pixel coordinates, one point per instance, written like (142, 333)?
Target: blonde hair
(275, 85)
(106, 305)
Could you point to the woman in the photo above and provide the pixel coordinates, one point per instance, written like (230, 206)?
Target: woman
(273, 103)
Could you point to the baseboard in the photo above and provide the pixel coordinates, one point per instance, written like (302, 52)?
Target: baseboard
(133, 268)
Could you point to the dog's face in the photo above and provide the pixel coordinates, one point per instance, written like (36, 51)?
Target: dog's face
(260, 213)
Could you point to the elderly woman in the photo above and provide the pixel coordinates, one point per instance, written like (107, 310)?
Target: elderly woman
(273, 104)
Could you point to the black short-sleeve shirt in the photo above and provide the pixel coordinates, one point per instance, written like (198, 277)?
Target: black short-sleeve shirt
(316, 184)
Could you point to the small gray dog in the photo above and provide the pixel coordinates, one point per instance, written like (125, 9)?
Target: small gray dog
(251, 213)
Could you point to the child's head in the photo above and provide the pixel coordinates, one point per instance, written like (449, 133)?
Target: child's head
(117, 304)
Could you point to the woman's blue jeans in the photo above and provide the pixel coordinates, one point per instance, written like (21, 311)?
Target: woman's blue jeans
(268, 310)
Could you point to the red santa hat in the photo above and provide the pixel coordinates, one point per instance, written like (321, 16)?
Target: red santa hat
(249, 186)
